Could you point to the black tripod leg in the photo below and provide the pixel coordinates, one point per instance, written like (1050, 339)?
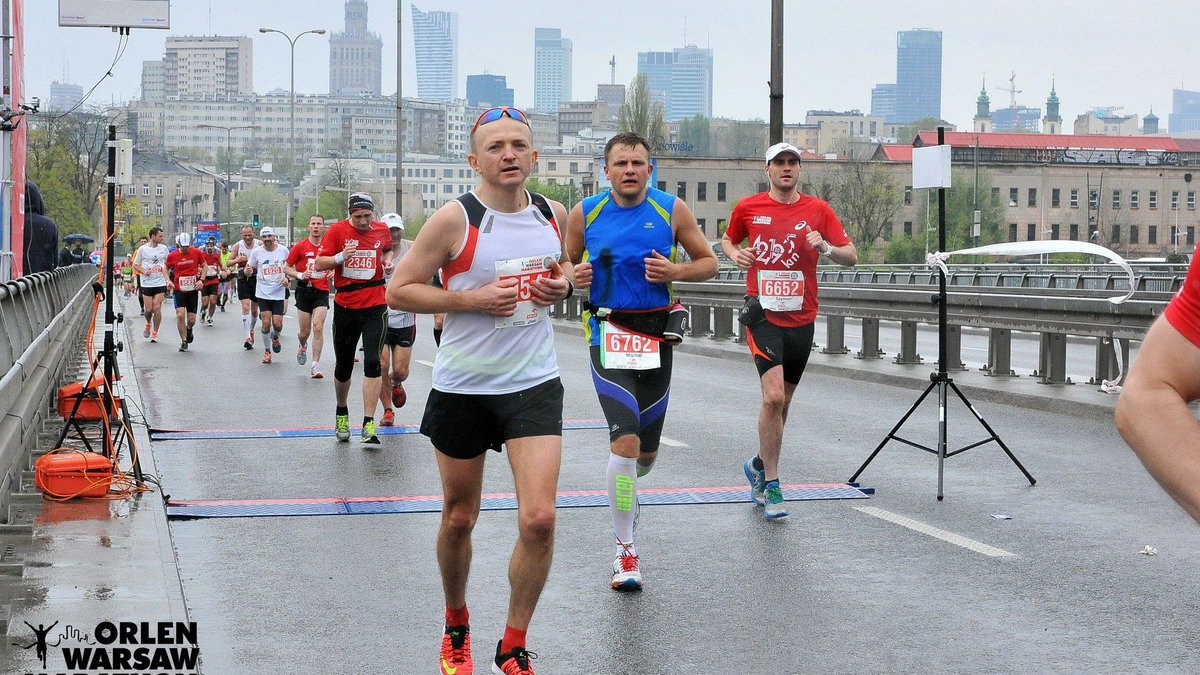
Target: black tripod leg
(891, 434)
(995, 437)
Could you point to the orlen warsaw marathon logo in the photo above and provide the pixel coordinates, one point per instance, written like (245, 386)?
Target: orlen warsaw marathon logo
(116, 648)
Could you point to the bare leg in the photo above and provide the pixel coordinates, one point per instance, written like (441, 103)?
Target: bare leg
(535, 463)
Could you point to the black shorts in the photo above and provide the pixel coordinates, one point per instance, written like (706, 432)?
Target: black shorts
(208, 289)
(152, 291)
(189, 300)
(309, 298)
(634, 401)
(400, 337)
(772, 345)
(464, 426)
(272, 306)
(246, 287)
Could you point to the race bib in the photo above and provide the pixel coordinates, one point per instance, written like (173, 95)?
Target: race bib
(272, 272)
(781, 290)
(620, 349)
(525, 271)
(155, 269)
(187, 284)
(360, 264)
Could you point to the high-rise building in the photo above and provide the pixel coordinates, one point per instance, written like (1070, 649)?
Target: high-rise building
(208, 65)
(551, 69)
(613, 95)
(1185, 111)
(883, 102)
(153, 80)
(436, 39)
(1017, 118)
(64, 96)
(919, 75)
(681, 79)
(355, 55)
(488, 90)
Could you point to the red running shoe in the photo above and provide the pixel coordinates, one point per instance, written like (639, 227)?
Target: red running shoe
(399, 396)
(456, 651)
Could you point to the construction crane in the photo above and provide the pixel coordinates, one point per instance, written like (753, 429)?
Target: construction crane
(612, 77)
(1012, 90)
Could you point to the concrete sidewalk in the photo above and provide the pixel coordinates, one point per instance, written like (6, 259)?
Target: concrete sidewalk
(82, 562)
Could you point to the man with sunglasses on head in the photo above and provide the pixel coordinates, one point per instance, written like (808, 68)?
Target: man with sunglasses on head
(495, 378)
(267, 263)
(623, 243)
(358, 250)
(787, 232)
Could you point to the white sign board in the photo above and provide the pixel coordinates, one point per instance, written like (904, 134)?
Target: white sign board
(931, 167)
(115, 13)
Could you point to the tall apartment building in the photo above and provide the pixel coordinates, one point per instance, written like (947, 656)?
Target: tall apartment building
(883, 102)
(491, 90)
(355, 55)
(681, 79)
(551, 69)
(435, 35)
(64, 96)
(154, 76)
(613, 96)
(918, 75)
(213, 66)
(1185, 111)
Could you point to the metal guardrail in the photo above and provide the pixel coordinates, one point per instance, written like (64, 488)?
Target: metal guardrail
(42, 320)
(1058, 302)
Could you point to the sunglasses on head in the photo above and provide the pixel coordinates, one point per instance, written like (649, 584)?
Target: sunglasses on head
(493, 114)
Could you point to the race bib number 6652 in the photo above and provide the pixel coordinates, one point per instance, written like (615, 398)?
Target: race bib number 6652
(781, 290)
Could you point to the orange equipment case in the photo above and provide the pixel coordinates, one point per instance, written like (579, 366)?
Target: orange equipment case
(68, 472)
(91, 408)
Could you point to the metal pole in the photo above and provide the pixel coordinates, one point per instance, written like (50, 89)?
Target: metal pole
(228, 161)
(399, 107)
(110, 208)
(776, 83)
(291, 216)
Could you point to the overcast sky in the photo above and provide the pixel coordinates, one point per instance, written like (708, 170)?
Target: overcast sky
(1101, 52)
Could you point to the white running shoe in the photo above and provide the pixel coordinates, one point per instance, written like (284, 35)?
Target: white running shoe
(627, 573)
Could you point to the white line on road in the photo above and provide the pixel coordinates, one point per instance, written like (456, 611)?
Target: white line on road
(671, 442)
(424, 362)
(937, 533)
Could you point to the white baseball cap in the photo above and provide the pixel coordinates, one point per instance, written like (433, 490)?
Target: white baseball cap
(783, 147)
(393, 221)
(184, 239)
(266, 232)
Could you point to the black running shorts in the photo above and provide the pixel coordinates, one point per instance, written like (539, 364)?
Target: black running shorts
(772, 345)
(464, 426)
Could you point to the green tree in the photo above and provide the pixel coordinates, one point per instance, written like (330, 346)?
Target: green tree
(960, 205)
(907, 132)
(695, 131)
(867, 199)
(81, 135)
(265, 200)
(641, 113)
(131, 224)
(566, 194)
(51, 168)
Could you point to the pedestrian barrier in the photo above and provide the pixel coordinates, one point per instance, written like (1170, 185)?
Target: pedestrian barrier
(43, 318)
(1057, 302)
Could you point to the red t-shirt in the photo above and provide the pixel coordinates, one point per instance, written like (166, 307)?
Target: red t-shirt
(301, 257)
(185, 268)
(783, 259)
(1183, 312)
(366, 265)
(213, 260)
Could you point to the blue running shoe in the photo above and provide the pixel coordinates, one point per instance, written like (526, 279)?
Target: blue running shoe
(757, 479)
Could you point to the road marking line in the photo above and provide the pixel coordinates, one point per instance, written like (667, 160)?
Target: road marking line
(937, 533)
(424, 362)
(671, 442)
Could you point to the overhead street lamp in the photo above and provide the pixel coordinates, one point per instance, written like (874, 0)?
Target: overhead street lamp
(228, 159)
(291, 213)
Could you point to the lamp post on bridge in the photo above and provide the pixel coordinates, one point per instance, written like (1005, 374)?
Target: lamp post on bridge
(228, 158)
(291, 205)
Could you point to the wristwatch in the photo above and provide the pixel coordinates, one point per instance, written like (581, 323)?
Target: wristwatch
(828, 249)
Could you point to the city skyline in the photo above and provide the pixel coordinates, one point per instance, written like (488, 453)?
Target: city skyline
(831, 61)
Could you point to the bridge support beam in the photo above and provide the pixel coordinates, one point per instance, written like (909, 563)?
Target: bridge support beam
(1052, 359)
(1108, 367)
(999, 353)
(870, 340)
(700, 320)
(722, 323)
(835, 335)
(908, 344)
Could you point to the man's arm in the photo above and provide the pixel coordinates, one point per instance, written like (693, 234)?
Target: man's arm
(439, 239)
(703, 263)
(556, 286)
(573, 243)
(1153, 417)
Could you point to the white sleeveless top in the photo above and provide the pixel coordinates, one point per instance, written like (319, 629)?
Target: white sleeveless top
(480, 354)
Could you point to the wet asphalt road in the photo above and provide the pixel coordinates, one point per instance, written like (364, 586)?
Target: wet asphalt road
(831, 589)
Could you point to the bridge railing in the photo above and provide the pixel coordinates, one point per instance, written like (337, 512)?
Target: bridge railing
(1058, 304)
(43, 318)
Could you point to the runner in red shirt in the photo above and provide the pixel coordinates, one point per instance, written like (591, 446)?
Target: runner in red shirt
(185, 269)
(312, 293)
(1152, 413)
(212, 280)
(787, 231)
(358, 251)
